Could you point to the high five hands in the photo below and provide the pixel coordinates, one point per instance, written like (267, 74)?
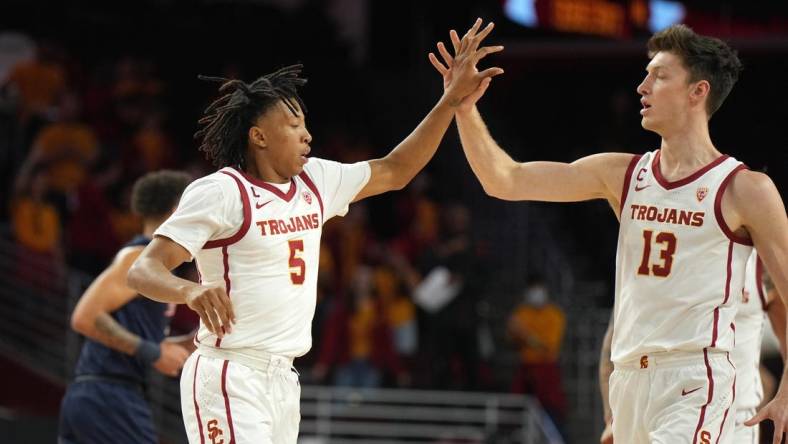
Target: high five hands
(463, 84)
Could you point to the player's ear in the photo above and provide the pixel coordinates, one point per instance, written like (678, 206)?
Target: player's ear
(257, 137)
(699, 91)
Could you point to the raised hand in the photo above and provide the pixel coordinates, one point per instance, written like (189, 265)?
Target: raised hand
(462, 82)
(214, 307)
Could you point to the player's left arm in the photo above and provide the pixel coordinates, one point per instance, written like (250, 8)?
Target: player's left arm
(398, 168)
(755, 204)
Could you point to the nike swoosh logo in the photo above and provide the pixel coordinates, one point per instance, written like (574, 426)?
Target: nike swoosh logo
(637, 188)
(685, 393)
(259, 205)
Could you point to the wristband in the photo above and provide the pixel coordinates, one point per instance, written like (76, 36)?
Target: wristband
(148, 352)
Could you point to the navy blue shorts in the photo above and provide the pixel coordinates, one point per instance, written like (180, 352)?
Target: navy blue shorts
(105, 412)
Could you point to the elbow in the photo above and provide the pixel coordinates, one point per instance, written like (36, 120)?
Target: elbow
(497, 192)
(133, 277)
(80, 323)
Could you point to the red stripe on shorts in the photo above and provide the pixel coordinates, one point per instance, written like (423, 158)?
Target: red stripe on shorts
(194, 398)
(711, 395)
(227, 402)
(728, 355)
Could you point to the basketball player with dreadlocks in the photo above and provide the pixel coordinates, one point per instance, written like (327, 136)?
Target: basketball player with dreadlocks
(254, 229)
(689, 217)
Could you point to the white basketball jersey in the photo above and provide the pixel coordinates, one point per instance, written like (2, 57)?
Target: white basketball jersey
(679, 268)
(261, 242)
(750, 321)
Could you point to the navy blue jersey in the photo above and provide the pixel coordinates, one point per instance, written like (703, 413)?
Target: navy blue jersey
(145, 318)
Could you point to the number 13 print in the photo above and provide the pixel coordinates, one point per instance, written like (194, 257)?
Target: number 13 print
(668, 241)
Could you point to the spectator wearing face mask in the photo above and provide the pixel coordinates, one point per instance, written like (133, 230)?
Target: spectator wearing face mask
(536, 327)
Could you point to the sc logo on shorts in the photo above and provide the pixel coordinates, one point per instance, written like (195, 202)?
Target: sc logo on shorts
(214, 432)
(705, 437)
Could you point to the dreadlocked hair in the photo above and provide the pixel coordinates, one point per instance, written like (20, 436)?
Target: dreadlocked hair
(227, 120)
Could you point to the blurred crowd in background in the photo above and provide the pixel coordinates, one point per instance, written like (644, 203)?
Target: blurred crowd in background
(423, 288)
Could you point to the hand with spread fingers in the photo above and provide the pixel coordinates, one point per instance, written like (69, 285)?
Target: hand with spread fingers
(214, 307)
(463, 83)
(777, 411)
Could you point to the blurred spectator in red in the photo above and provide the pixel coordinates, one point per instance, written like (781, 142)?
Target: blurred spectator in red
(537, 327)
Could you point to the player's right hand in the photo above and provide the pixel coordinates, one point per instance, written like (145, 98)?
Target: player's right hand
(214, 307)
(172, 358)
(607, 435)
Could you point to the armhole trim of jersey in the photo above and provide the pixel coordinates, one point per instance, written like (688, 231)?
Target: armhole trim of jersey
(311, 186)
(759, 282)
(718, 208)
(244, 226)
(627, 180)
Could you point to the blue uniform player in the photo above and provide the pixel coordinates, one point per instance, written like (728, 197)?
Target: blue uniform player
(125, 334)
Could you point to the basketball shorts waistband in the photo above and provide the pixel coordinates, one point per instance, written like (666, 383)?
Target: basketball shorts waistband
(669, 359)
(255, 359)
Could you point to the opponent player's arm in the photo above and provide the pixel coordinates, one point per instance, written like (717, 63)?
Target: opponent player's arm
(755, 204)
(104, 295)
(109, 292)
(396, 169)
(151, 275)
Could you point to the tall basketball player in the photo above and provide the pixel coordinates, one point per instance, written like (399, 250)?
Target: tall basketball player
(757, 300)
(689, 217)
(254, 228)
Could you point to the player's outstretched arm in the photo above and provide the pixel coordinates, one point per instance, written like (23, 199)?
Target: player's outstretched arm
(397, 169)
(109, 292)
(151, 276)
(756, 205)
(599, 176)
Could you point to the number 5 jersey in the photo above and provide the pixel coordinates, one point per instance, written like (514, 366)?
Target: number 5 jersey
(261, 243)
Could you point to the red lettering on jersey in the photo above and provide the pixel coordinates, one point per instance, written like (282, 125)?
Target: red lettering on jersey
(668, 215)
(308, 222)
(662, 216)
(299, 225)
(315, 220)
(671, 216)
(261, 224)
(282, 226)
(273, 227)
(291, 227)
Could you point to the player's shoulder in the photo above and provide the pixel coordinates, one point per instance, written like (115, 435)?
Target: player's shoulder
(126, 256)
(217, 183)
(748, 185)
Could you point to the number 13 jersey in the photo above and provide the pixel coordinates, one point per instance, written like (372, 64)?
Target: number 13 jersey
(679, 267)
(261, 243)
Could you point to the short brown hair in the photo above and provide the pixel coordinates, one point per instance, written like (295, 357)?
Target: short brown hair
(156, 194)
(706, 58)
